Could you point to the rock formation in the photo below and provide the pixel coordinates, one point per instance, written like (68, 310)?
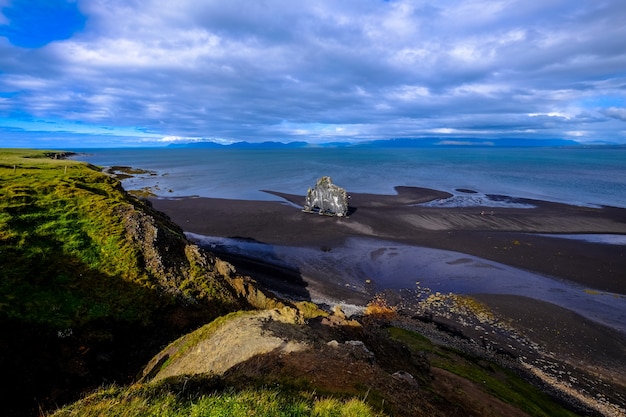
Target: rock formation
(326, 198)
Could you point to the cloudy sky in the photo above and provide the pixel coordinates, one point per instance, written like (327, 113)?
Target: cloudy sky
(149, 72)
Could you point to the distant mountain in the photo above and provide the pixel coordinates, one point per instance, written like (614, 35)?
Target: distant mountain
(603, 144)
(206, 144)
(240, 145)
(389, 143)
(466, 142)
(268, 145)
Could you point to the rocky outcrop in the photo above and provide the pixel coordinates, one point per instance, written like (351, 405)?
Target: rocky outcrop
(324, 354)
(185, 270)
(326, 198)
(227, 342)
(174, 264)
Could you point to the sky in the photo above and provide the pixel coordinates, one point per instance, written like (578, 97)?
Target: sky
(115, 73)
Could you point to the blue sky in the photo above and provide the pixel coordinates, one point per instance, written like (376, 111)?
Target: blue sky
(90, 73)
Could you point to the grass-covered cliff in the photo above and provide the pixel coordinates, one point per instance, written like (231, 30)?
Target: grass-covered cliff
(92, 280)
(83, 250)
(102, 295)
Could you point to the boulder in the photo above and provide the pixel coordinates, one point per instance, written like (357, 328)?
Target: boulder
(326, 198)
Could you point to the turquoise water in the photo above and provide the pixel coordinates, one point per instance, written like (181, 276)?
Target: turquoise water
(582, 176)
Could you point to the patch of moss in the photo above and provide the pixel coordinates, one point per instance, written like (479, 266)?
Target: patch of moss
(495, 380)
(145, 192)
(310, 310)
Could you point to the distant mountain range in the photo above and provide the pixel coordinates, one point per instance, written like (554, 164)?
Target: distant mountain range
(393, 143)
(240, 145)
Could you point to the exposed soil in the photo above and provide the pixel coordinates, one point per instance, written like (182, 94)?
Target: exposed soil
(328, 355)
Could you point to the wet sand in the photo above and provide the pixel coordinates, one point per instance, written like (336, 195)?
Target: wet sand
(328, 258)
(511, 236)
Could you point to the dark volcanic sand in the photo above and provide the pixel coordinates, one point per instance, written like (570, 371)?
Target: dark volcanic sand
(507, 235)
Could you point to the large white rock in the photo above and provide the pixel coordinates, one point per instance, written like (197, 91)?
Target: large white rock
(326, 198)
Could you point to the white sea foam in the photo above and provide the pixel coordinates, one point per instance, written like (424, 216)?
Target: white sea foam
(476, 201)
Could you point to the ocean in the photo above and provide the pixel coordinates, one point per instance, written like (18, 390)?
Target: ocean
(581, 176)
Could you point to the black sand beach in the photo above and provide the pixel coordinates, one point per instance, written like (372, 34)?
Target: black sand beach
(511, 236)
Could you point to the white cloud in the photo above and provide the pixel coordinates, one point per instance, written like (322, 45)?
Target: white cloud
(460, 132)
(185, 49)
(481, 89)
(551, 114)
(409, 93)
(444, 130)
(616, 113)
(321, 131)
(14, 82)
(353, 69)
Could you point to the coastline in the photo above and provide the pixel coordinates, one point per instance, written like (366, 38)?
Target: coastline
(511, 236)
(562, 347)
(336, 268)
(394, 242)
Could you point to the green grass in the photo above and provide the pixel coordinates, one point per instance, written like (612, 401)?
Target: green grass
(64, 258)
(206, 397)
(497, 381)
(66, 261)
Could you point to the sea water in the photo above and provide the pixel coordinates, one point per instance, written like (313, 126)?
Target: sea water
(582, 176)
(392, 265)
(576, 175)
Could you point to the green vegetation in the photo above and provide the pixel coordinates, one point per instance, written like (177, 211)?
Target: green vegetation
(93, 283)
(206, 396)
(75, 248)
(497, 381)
(310, 310)
(64, 256)
(83, 267)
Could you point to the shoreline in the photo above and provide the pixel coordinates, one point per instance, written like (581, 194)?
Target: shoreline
(369, 171)
(517, 237)
(353, 273)
(562, 347)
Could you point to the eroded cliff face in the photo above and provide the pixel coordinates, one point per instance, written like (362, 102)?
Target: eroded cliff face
(97, 281)
(184, 269)
(177, 266)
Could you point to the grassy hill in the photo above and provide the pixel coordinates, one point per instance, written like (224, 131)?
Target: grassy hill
(92, 280)
(102, 298)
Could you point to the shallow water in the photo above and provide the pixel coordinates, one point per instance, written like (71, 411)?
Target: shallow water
(396, 266)
(477, 200)
(593, 238)
(579, 176)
